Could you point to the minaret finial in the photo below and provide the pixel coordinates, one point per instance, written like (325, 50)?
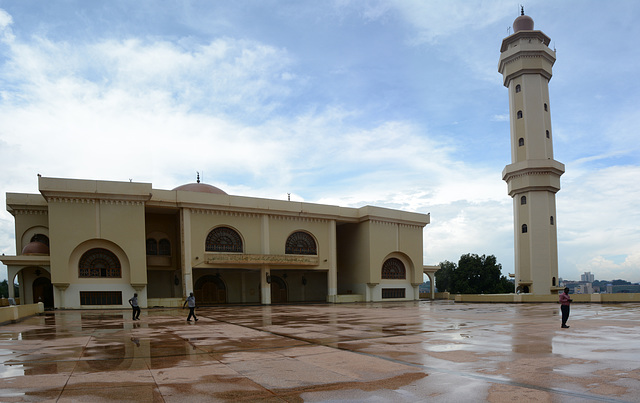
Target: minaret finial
(198, 177)
(521, 9)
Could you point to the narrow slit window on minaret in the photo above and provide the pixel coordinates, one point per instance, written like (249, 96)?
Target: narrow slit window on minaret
(546, 108)
(519, 114)
(551, 220)
(520, 142)
(517, 88)
(523, 200)
(524, 228)
(547, 133)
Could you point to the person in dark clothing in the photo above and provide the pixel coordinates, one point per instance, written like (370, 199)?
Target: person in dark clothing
(565, 302)
(191, 302)
(133, 301)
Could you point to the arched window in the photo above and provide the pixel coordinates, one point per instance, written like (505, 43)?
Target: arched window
(300, 243)
(546, 108)
(523, 200)
(551, 220)
(393, 269)
(517, 88)
(40, 238)
(547, 133)
(223, 239)
(519, 114)
(152, 247)
(524, 228)
(164, 247)
(99, 263)
(520, 142)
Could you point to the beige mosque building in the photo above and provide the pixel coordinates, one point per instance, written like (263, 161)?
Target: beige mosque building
(533, 177)
(93, 244)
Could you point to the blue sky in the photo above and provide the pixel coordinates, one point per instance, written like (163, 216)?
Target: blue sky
(390, 103)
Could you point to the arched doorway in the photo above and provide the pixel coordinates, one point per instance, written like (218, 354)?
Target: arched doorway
(43, 292)
(278, 290)
(210, 290)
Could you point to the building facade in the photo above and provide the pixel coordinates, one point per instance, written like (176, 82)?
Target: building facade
(533, 177)
(92, 244)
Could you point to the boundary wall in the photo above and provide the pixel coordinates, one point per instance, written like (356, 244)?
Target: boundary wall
(532, 298)
(14, 313)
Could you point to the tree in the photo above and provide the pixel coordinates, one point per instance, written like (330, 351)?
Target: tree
(443, 276)
(620, 282)
(473, 275)
(4, 289)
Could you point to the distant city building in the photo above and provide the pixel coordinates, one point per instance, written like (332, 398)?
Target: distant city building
(587, 277)
(624, 288)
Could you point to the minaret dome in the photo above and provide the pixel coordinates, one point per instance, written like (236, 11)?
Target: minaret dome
(523, 23)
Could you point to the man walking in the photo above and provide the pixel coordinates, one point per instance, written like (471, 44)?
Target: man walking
(565, 302)
(191, 301)
(133, 301)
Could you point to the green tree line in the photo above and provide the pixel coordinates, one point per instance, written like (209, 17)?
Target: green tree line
(473, 275)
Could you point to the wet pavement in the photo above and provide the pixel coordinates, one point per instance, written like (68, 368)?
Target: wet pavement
(402, 352)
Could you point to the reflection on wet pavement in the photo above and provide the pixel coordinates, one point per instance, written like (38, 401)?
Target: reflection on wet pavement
(414, 351)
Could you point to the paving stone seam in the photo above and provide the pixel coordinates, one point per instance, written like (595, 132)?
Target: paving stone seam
(444, 370)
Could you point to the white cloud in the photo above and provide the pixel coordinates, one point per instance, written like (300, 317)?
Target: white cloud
(597, 217)
(6, 35)
(607, 269)
(438, 18)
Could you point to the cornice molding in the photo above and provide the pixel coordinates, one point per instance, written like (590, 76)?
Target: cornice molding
(392, 223)
(228, 213)
(223, 213)
(82, 200)
(30, 212)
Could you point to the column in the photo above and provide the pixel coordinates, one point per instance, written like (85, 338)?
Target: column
(265, 286)
(332, 274)
(185, 246)
(265, 272)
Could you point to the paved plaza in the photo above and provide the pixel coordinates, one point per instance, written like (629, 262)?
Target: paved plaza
(381, 352)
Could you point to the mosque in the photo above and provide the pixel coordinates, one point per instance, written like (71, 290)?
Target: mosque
(92, 244)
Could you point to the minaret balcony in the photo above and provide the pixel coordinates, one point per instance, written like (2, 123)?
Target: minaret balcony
(533, 175)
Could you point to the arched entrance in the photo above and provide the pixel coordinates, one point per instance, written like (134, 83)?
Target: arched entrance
(278, 290)
(210, 290)
(43, 292)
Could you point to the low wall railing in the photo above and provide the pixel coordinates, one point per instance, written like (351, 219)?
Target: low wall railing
(14, 313)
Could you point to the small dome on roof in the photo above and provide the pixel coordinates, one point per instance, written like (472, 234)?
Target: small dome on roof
(523, 23)
(35, 248)
(200, 187)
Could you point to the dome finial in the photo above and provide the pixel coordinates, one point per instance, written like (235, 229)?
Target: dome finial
(198, 177)
(521, 9)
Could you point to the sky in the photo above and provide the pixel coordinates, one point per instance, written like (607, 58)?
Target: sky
(396, 104)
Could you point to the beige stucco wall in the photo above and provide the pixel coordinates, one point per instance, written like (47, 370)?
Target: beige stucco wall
(87, 214)
(353, 244)
(79, 215)
(30, 213)
(364, 247)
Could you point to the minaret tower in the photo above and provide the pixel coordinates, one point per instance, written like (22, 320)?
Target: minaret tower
(533, 177)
